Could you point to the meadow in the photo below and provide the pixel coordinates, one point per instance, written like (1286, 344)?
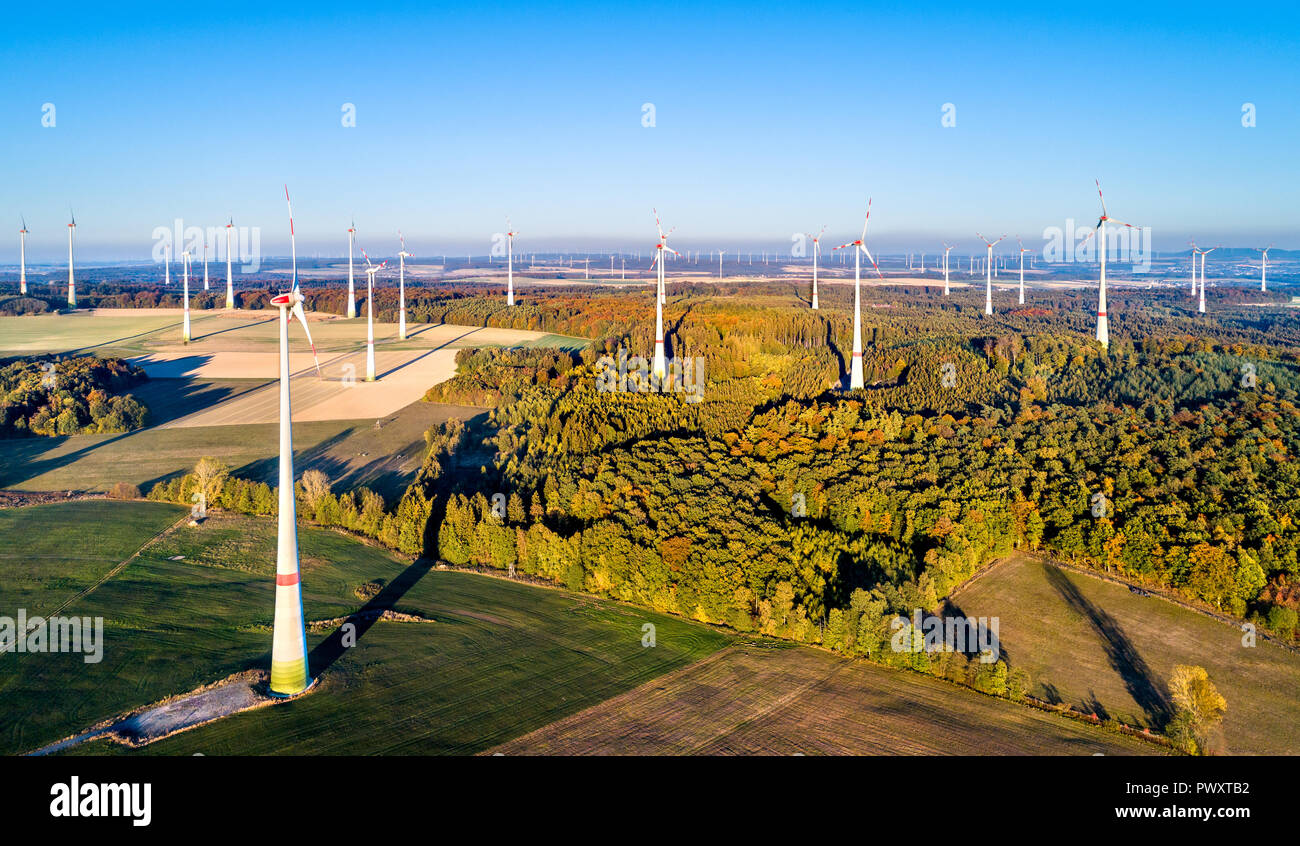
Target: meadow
(498, 658)
(1100, 647)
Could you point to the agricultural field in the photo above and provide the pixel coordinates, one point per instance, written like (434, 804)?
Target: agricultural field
(218, 396)
(1101, 647)
(780, 699)
(497, 658)
(381, 454)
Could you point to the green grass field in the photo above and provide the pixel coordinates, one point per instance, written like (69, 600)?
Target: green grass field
(500, 659)
(1099, 646)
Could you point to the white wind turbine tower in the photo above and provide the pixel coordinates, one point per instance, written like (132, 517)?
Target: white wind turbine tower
(946, 249)
(72, 282)
(1103, 330)
(988, 274)
(510, 263)
(289, 670)
(660, 366)
(1263, 268)
(371, 270)
(817, 248)
(1201, 307)
(167, 263)
(721, 252)
(22, 258)
(230, 281)
(1022, 268)
(352, 296)
(185, 274)
(401, 288)
(662, 294)
(205, 264)
(855, 366)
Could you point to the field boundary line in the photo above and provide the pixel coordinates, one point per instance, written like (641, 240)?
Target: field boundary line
(119, 567)
(578, 716)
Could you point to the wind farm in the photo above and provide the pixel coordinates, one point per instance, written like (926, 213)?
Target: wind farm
(706, 490)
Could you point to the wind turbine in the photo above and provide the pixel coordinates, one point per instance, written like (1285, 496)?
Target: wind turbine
(855, 366)
(817, 248)
(988, 274)
(167, 263)
(371, 270)
(289, 671)
(1201, 307)
(659, 248)
(352, 297)
(1103, 332)
(946, 249)
(1195, 252)
(660, 366)
(72, 283)
(185, 274)
(205, 264)
(510, 264)
(721, 252)
(22, 258)
(1263, 268)
(230, 281)
(1022, 268)
(401, 288)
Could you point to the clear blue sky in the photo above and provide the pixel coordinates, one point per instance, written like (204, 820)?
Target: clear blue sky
(768, 121)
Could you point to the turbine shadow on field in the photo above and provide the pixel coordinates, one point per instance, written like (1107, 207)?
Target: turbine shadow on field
(20, 461)
(331, 648)
(428, 352)
(234, 328)
(1139, 680)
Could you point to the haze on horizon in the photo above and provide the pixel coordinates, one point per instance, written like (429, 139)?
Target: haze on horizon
(789, 123)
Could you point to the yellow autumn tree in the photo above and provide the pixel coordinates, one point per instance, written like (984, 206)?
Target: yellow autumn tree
(1198, 707)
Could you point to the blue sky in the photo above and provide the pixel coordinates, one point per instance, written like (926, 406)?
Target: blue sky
(767, 122)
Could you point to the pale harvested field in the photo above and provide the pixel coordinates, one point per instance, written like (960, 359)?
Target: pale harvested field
(1098, 646)
(244, 345)
(340, 392)
(754, 700)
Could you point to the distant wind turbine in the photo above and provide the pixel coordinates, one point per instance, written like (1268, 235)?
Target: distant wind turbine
(1263, 268)
(401, 287)
(185, 295)
(72, 282)
(946, 250)
(510, 263)
(660, 366)
(1201, 306)
(988, 274)
(371, 270)
(1103, 329)
(230, 279)
(352, 295)
(1022, 268)
(817, 248)
(855, 365)
(22, 258)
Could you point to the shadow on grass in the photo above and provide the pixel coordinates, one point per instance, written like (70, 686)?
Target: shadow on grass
(1139, 680)
(332, 648)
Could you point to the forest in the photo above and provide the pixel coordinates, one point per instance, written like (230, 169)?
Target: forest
(53, 395)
